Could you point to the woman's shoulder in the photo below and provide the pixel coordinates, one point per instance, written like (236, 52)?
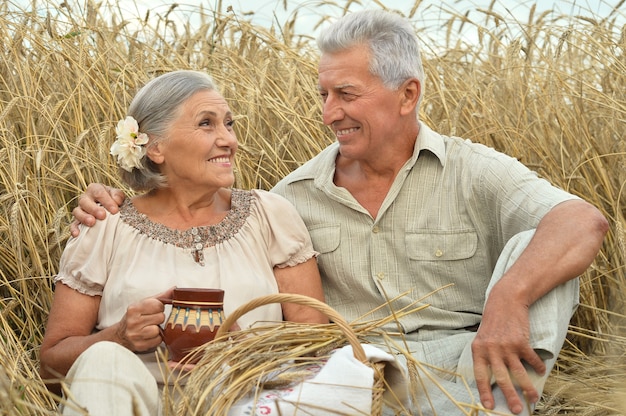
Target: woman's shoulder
(103, 226)
(272, 208)
(129, 214)
(270, 200)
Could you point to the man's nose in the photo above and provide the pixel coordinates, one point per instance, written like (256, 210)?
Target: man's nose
(332, 110)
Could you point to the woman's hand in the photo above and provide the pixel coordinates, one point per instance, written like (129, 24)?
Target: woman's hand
(139, 328)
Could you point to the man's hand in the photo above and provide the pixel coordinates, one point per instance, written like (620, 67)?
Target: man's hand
(563, 246)
(93, 203)
(500, 349)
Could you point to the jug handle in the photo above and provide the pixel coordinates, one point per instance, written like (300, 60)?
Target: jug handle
(165, 301)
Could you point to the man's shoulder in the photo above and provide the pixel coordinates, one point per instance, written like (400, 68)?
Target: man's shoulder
(311, 169)
(470, 151)
(453, 149)
(442, 143)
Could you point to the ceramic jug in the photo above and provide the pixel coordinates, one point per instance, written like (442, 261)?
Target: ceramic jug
(196, 315)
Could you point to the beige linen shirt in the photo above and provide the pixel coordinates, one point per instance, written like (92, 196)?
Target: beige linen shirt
(445, 220)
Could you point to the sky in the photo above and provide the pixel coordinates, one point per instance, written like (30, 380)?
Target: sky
(310, 11)
(430, 16)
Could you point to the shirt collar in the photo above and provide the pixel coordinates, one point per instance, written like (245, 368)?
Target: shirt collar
(427, 139)
(322, 167)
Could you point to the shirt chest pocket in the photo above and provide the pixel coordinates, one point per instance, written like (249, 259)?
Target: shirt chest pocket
(435, 245)
(325, 237)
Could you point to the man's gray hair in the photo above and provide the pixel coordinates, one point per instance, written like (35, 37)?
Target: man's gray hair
(394, 46)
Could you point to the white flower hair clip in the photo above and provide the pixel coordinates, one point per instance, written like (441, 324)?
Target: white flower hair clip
(129, 147)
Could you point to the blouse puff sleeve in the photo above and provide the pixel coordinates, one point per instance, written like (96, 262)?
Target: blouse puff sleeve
(84, 262)
(289, 242)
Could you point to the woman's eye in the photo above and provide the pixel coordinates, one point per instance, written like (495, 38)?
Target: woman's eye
(230, 123)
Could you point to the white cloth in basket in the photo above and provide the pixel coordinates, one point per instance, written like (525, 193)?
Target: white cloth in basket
(342, 386)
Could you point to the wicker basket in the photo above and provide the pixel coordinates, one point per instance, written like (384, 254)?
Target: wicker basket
(350, 336)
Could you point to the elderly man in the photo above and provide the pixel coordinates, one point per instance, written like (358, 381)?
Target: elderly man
(396, 209)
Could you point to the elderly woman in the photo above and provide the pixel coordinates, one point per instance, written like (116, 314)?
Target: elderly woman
(188, 229)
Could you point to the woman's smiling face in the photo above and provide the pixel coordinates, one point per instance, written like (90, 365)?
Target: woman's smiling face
(201, 144)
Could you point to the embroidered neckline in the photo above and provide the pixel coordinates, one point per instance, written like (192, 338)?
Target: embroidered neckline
(194, 239)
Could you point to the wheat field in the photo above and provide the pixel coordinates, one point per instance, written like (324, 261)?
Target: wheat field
(549, 90)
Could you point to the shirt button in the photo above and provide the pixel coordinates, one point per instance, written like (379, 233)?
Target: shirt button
(381, 276)
(438, 253)
(375, 230)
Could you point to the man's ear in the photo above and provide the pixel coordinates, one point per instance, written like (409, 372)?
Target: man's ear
(410, 90)
(154, 153)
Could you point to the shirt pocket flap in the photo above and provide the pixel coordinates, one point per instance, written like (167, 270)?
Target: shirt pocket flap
(325, 237)
(441, 245)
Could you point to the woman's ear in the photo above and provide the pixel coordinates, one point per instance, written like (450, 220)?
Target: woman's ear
(411, 90)
(154, 153)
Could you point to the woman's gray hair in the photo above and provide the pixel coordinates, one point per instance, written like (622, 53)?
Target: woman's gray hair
(394, 46)
(155, 106)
